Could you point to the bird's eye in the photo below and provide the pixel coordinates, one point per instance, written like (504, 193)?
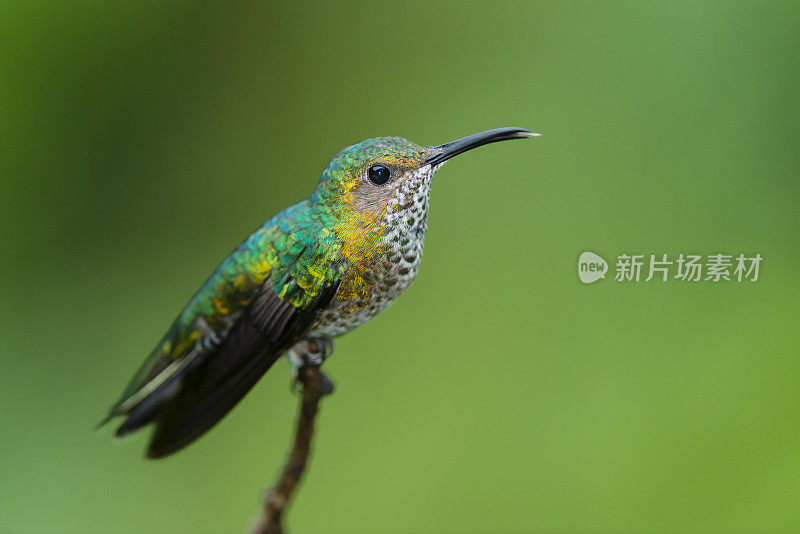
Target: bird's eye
(378, 174)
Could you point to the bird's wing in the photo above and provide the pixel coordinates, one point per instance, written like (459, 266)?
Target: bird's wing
(259, 301)
(210, 390)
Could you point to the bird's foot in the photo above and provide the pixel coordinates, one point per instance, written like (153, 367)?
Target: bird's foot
(317, 350)
(311, 353)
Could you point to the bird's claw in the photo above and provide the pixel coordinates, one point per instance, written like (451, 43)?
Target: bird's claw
(311, 353)
(316, 351)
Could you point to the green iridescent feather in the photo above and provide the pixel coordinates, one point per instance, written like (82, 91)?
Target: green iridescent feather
(293, 249)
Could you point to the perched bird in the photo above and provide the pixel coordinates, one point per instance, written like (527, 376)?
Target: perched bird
(312, 272)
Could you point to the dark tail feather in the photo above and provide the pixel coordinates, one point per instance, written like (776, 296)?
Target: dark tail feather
(146, 411)
(198, 395)
(196, 409)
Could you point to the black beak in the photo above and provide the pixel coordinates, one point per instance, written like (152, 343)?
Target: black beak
(446, 151)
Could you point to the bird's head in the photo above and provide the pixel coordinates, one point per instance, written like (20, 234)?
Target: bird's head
(366, 182)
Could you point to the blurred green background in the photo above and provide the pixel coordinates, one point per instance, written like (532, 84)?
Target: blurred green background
(140, 143)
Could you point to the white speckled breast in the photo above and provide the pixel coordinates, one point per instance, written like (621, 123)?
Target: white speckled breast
(405, 217)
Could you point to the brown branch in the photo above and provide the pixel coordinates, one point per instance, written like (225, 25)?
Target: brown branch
(276, 499)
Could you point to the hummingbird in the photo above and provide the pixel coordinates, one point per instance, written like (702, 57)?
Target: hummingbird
(314, 271)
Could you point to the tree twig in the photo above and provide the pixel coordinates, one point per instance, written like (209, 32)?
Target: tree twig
(276, 499)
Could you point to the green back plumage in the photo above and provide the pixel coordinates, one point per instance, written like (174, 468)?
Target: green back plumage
(293, 250)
